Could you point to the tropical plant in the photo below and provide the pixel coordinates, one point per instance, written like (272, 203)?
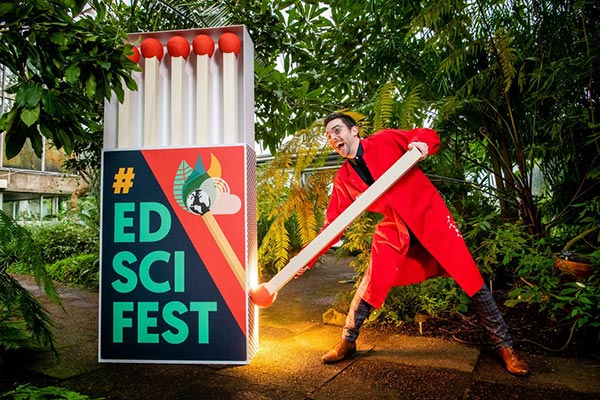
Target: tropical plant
(31, 392)
(567, 301)
(67, 61)
(292, 194)
(507, 92)
(152, 16)
(65, 238)
(81, 270)
(23, 320)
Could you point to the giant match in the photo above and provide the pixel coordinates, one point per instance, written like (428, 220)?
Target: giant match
(179, 49)
(264, 294)
(152, 50)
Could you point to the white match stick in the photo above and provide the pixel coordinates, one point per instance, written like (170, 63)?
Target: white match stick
(124, 130)
(152, 50)
(179, 49)
(265, 293)
(204, 48)
(230, 46)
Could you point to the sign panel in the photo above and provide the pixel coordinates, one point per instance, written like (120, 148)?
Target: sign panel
(175, 255)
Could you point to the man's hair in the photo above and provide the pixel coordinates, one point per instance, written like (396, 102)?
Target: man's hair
(346, 119)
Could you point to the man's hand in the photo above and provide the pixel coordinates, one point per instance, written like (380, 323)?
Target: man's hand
(422, 147)
(301, 271)
(308, 266)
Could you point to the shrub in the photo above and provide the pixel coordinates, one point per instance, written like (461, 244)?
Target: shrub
(82, 270)
(64, 239)
(432, 297)
(564, 300)
(498, 247)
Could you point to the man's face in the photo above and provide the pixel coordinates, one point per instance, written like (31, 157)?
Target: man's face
(342, 139)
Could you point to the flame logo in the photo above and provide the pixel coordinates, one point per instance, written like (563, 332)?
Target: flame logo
(199, 191)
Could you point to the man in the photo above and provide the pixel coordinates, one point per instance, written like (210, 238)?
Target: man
(416, 239)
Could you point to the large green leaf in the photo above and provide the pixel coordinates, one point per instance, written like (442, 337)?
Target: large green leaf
(30, 116)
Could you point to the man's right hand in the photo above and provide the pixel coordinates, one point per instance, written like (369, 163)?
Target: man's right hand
(422, 147)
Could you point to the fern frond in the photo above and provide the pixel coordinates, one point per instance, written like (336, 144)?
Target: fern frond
(305, 216)
(189, 11)
(411, 106)
(506, 57)
(274, 251)
(384, 106)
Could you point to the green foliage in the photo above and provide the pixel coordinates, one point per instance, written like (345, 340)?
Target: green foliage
(65, 238)
(563, 299)
(357, 241)
(501, 245)
(66, 63)
(13, 334)
(82, 270)
(432, 297)
(292, 194)
(30, 392)
(583, 237)
(21, 314)
(152, 16)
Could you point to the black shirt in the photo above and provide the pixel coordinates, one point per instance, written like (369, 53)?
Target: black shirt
(359, 165)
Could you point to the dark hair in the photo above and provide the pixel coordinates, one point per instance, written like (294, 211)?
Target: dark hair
(346, 119)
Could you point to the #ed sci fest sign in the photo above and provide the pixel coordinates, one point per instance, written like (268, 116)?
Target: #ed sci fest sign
(173, 256)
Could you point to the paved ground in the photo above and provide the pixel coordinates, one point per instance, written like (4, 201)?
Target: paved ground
(292, 339)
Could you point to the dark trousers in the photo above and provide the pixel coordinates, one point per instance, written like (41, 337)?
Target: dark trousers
(483, 304)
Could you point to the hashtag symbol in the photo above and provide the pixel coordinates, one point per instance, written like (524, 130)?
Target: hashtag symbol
(123, 180)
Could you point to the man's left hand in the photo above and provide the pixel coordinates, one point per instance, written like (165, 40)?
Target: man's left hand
(422, 147)
(301, 271)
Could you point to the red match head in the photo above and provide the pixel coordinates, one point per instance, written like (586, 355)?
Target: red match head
(178, 46)
(152, 48)
(203, 45)
(230, 43)
(261, 297)
(135, 57)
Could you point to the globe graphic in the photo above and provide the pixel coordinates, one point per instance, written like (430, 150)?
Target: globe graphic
(198, 202)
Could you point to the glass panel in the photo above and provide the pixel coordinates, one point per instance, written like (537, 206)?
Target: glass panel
(28, 210)
(26, 159)
(47, 209)
(7, 207)
(54, 158)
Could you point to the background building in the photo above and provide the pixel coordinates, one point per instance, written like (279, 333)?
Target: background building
(31, 188)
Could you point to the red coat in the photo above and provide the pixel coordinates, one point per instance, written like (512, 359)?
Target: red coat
(413, 201)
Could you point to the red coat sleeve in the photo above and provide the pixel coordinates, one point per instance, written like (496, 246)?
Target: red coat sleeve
(401, 138)
(428, 136)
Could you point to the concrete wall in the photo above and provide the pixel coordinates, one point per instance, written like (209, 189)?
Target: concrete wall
(22, 181)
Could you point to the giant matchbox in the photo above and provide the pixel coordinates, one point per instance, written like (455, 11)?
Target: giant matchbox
(178, 204)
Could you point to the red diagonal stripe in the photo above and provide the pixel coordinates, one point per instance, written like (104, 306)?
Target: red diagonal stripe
(164, 166)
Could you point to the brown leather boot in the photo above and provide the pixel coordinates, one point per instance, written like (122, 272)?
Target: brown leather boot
(514, 364)
(341, 350)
